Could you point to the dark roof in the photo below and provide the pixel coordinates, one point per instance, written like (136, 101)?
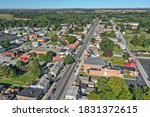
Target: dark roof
(1, 87)
(31, 92)
(95, 61)
(125, 68)
(63, 50)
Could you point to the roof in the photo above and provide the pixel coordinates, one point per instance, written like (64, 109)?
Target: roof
(31, 92)
(59, 64)
(95, 61)
(2, 50)
(125, 68)
(1, 87)
(73, 91)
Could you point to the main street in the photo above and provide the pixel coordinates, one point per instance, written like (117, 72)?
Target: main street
(63, 83)
(140, 68)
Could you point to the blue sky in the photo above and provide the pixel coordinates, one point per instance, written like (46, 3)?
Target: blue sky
(74, 3)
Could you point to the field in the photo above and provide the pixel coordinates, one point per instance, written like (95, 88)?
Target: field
(115, 60)
(6, 16)
(117, 50)
(22, 81)
(129, 35)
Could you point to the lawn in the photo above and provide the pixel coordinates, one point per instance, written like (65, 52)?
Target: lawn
(129, 37)
(115, 60)
(22, 80)
(6, 16)
(117, 50)
(53, 43)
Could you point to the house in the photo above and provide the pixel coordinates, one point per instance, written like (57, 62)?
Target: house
(94, 63)
(70, 51)
(39, 50)
(30, 94)
(11, 53)
(128, 71)
(55, 70)
(35, 44)
(131, 63)
(74, 45)
(58, 58)
(24, 57)
(44, 83)
(133, 25)
(2, 50)
(41, 40)
(72, 93)
(84, 79)
(32, 36)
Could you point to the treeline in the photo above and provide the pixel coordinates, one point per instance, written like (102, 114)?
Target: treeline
(116, 89)
(43, 19)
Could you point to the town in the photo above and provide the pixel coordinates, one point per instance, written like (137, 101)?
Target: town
(75, 55)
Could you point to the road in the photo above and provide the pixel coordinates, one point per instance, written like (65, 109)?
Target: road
(140, 68)
(62, 84)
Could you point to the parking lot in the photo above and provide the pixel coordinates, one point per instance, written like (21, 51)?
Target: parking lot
(146, 65)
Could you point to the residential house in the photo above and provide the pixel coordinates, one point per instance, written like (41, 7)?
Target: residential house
(41, 40)
(74, 45)
(35, 44)
(24, 57)
(58, 58)
(56, 69)
(11, 53)
(32, 36)
(39, 50)
(30, 94)
(44, 83)
(72, 93)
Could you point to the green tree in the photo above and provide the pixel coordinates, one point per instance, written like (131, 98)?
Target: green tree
(72, 39)
(107, 44)
(19, 64)
(69, 59)
(35, 68)
(126, 55)
(93, 40)
(147, 95)
(5, 43)
(134, 40)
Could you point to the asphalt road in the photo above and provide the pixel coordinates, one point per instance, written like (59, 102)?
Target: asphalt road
(140, 67)
(63, 82)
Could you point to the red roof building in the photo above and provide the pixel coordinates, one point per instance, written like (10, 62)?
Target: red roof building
(131, 63)
(58, 58)
(11, 53)
(24, 57)
(74, 45)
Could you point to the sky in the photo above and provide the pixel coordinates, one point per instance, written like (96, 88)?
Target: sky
(74, 4)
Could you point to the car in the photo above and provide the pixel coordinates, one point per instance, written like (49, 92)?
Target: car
(53, 91)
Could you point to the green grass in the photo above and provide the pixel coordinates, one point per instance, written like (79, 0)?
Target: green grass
(22, 80)
(115, 60)
(129, 37)
(117, 50)
(6, 16)
(52, 34)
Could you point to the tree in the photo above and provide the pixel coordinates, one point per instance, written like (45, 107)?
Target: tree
(141, 40)
(72, 39)
(126, 55)
(134, 40)
(93, 40)
(71, 31)
(108, 53)
(147, 95)
(69, 59)
(107, 44)
(35, 68)
(148, 30)
(19, 64)
(5, 43)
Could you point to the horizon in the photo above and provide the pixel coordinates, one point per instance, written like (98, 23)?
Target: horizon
(67, 4)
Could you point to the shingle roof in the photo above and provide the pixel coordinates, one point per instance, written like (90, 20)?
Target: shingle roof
(95, 61)
(31, 92)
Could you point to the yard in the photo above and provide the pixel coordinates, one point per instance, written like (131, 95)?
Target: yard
(117, 50)
(115, 60)
(22, 80)
(129, 35)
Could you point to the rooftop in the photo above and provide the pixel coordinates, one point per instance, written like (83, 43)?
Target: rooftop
(95, 61)
(31, 92)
